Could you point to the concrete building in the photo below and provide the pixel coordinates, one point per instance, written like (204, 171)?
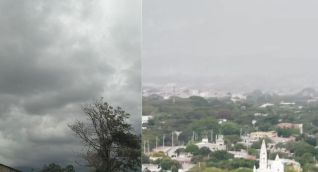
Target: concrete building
(266, 105)
(291, 125)
(242, 154)
(4, 168)
(145, 119)
(261, 134)
(283, 139)
(217, 145)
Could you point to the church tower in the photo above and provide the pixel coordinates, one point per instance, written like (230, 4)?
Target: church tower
(263, 158)
(264, 166)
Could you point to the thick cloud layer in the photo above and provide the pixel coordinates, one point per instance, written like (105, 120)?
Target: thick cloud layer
(199, 41)
(54, 57)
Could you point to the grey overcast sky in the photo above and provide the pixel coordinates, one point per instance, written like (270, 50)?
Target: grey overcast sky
(56, 56)
(267, 42)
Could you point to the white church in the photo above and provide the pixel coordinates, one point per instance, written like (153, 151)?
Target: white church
(266, 166)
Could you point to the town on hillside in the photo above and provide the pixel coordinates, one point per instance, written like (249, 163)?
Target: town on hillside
(246, 132)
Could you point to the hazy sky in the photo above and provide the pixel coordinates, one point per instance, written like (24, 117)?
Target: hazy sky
(229, 40)
(54, 57)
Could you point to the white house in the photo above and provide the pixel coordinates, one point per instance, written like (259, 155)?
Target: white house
(145, 119)
(217, 145)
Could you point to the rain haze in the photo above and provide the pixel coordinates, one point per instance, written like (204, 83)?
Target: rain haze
(231, 44)
(54, 57)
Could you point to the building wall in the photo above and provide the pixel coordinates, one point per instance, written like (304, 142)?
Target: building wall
(260, 134)
(6, 169)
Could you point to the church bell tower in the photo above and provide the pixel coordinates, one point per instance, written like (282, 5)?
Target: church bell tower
(263, 158)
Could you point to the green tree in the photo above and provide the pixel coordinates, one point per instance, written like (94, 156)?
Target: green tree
(286, 132)
(69, 168)
(145, 159)
(230, 128)
(179, 151)
(167, 164)
(306, 158)
(204, 151)
(220, 155)
(57, 168)
(289, 169)
(300, 148)
(51, 168)
(111, 144)
(193, 149)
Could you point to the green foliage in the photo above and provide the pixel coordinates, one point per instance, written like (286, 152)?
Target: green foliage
(231, 139)
(167, 164)
(212, 169)
(311, 140)
(253, 151)
(201, 116)
(306, 158)
(220, 155)
(52, 168)
(144, 159)
(203, 125)
(204, 151)
(258, 144)
(69, 168)
(111, 143)
(174, 168)
(268, 123)
(198, 101)
(300, 148)
(193, 149)
(57, 168)
(286, 132)
(159, 154)
(239, 146)
(290, 169)
(310, 168)
(232, 163)
(196, 159)
(179, 151)
(242, 169)
(230, 128)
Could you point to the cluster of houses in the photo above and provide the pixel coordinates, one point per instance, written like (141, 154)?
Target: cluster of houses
(217, 143)
(183, 158)
(253, 137)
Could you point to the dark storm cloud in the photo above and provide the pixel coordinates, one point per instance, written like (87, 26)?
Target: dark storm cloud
(54, 57)
(266, 40)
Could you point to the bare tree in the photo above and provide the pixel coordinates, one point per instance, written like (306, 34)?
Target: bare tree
(111, 144)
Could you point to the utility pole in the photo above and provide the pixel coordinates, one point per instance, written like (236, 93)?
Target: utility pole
(174, 95)
(171, 139)
(156, 142)
(178, 133)
(144, 147)
(211, 136)
(163, 141)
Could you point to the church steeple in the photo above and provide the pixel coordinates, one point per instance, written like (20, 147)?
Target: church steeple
(275, 166)
(263, 157)
(277, 157)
